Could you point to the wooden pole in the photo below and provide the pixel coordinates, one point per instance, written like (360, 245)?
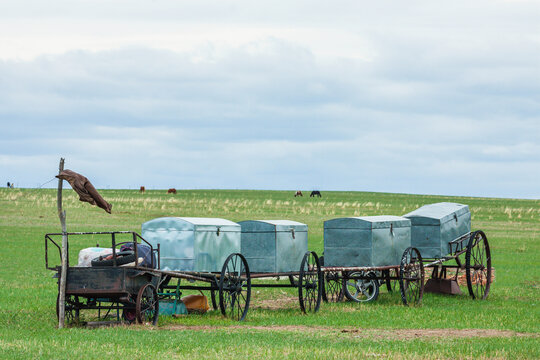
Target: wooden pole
(63, 274)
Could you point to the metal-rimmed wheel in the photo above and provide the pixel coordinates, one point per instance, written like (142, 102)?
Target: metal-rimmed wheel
(361, 286)
(71, 309)
(478, 266)
(235, 287)
(392, 285)
(332, 290)
(147, 305)
(309, 283)
(411, 277)
(293, 279)
(214, 300)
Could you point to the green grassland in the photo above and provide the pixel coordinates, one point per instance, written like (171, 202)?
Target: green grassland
(506, 325)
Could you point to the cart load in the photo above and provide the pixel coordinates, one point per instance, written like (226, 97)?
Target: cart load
(273, 246)
(435, 226)
(193, 244)
(366, 241)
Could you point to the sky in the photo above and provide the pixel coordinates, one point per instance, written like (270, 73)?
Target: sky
(419, 97)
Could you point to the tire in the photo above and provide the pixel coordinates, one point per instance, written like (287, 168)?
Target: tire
(123, 257)
(364, 289)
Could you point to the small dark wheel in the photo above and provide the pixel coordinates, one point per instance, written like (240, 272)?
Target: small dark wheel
(333, 287)
(310, 283)
(411, 277)
(361, 286)
(478, 266)
(235, 287)
(293, 279)
(71, 309)
(392, 284)
(214, 300)
(147, 305)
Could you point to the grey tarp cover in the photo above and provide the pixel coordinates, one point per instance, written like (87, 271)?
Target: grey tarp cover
(82, 186)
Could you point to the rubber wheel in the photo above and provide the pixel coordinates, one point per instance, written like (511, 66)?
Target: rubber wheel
(123, 257)
(364, 288)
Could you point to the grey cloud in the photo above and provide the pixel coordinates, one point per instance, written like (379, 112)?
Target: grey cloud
(272, 114)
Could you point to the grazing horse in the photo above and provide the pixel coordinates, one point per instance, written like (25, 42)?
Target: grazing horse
(315, 193)
(298, 193)
(171, 191)
(142, 189)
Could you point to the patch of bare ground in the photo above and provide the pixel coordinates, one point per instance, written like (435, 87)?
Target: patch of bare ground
(387, 334)
(407, 334)
(275, 304)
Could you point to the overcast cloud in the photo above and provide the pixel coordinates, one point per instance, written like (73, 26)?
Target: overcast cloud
(416, 97)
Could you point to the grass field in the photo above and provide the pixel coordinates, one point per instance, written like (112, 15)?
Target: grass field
(506, 325)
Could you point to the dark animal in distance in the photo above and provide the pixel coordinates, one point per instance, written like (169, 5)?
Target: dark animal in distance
(298, 193)
(315, 193)
(142, 189)
(171, 191)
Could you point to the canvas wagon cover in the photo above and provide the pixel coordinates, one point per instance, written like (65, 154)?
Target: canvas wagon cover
(366, 241)
(433, 226)
(193, 244)
(272, 246)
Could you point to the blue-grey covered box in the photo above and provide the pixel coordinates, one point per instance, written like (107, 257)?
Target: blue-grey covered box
(274, 246)
(434, 226)
(366, 241)
(193, 244)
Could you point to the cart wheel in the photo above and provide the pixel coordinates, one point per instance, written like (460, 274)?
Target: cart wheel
(391, 285)
(478, 266)
(309, 283)
(71, 309)
(147, 306)
(361, 289)
(214, 301)
(293, 279)
(411, 277)
(235, 287)
(332, 290)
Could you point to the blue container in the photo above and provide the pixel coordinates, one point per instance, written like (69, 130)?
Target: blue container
(273, 246)
(434, 226)
(369, 241)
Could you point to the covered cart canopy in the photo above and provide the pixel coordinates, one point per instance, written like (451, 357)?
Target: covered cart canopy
(366, 241)
(193, 244)
(433, 226)
(274, 246)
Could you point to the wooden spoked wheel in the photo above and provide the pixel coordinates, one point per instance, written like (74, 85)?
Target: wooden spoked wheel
(235, 287)
(309, 283)
(147, 305)
(411, 277)
(478, 266)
